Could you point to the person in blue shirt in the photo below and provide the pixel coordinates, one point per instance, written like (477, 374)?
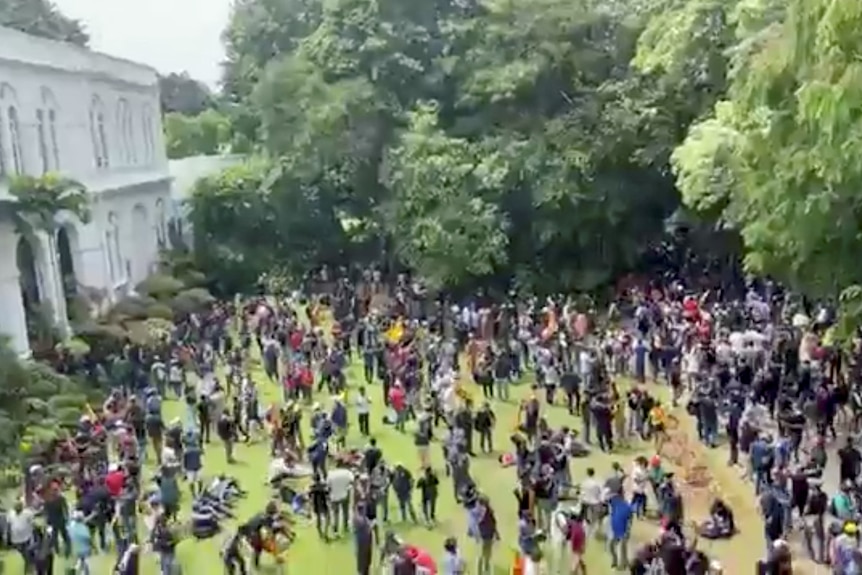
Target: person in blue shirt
(82, 542)
(619, 523)
(761, 455)
(193, 462)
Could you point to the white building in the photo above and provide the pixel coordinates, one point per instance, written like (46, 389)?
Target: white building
(96, 119)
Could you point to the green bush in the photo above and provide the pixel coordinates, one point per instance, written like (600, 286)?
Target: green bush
(132, 307)
(75, 347)
(160, 311)
(104, 339)
(194, 279)
(160, 287)
(192, 301)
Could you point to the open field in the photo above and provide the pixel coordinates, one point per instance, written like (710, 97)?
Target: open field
(738, 554)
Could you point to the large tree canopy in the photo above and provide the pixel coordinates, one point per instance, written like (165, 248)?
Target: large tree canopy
(42, 18)
(546, 143)
(776, 158)
(501, 141)
(183, 94)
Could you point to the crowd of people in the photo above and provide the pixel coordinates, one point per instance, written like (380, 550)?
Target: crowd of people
(756, 373)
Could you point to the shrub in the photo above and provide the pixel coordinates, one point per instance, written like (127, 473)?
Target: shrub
(194, 279)
(192, 301)
(75, 347)
(160, 311)
(80, 309)
(151, 332)
(160, 287)
(132, 307)
(104, 339)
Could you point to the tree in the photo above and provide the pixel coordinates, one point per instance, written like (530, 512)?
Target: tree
(37, 404)
(259, 216)
(183, 94)
(208, 133)
(42, 18)
(460, 139)
(776, 158)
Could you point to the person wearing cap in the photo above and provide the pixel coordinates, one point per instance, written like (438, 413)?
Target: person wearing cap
(845, 550)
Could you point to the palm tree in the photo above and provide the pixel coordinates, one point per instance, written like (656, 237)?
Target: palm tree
(35, 204)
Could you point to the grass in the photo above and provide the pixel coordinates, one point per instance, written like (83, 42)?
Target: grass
(737, 554)
(309, 550)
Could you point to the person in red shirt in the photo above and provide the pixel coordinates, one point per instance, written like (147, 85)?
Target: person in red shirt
(306, 382)
(398, 402)
(115, 480)
(296, 338)
(578, 541)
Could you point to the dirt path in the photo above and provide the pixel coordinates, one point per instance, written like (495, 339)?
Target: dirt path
(705, 475)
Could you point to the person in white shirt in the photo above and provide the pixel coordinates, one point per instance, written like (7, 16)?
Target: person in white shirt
(20, 529)
(340, 482)
(591, 497)
(278, 469)
(640, 481)
(363, 411)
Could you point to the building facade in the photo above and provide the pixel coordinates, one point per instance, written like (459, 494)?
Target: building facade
(95, 119)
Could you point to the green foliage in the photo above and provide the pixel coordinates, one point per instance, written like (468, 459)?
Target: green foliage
(38, 199)
(160, 311)
(255, 216)
(777, 158)
(207, 133)
(42, 18)
(75, 347)
(460, 139)
(132, 307)
(159, 287)
(35, 403)
(182, 94)
(104, 339)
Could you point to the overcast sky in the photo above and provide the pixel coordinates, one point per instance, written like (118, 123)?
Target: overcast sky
(170, 35)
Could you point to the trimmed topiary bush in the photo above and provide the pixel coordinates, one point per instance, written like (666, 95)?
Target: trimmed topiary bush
(192, 301)
(160, 287)
(132, 307)
(160, 311)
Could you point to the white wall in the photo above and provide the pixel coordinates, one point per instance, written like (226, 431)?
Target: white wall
(96, 119)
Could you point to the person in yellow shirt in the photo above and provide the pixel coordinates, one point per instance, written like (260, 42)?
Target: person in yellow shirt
(658, 425)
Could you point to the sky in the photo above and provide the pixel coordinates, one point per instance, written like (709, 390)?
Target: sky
(169, 35)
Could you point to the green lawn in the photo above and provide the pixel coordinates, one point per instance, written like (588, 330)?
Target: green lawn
(309, 551)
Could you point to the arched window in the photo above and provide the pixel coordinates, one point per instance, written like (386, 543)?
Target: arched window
(43, 141)
(15, 141)
(112, 248)
(2, 146)
(49, 146)
(109, 255)
(98, 133)
(8, 97)
(122, 130)
(130, 136)
(103, 138)
(55, 145)
(161, 223)
(149, 137)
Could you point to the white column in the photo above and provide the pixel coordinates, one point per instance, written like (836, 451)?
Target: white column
(13, 318)
(53, 280)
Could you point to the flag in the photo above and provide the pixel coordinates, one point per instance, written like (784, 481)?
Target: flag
(395, 332)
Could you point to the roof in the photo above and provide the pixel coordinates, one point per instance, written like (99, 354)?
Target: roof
(21, 48)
